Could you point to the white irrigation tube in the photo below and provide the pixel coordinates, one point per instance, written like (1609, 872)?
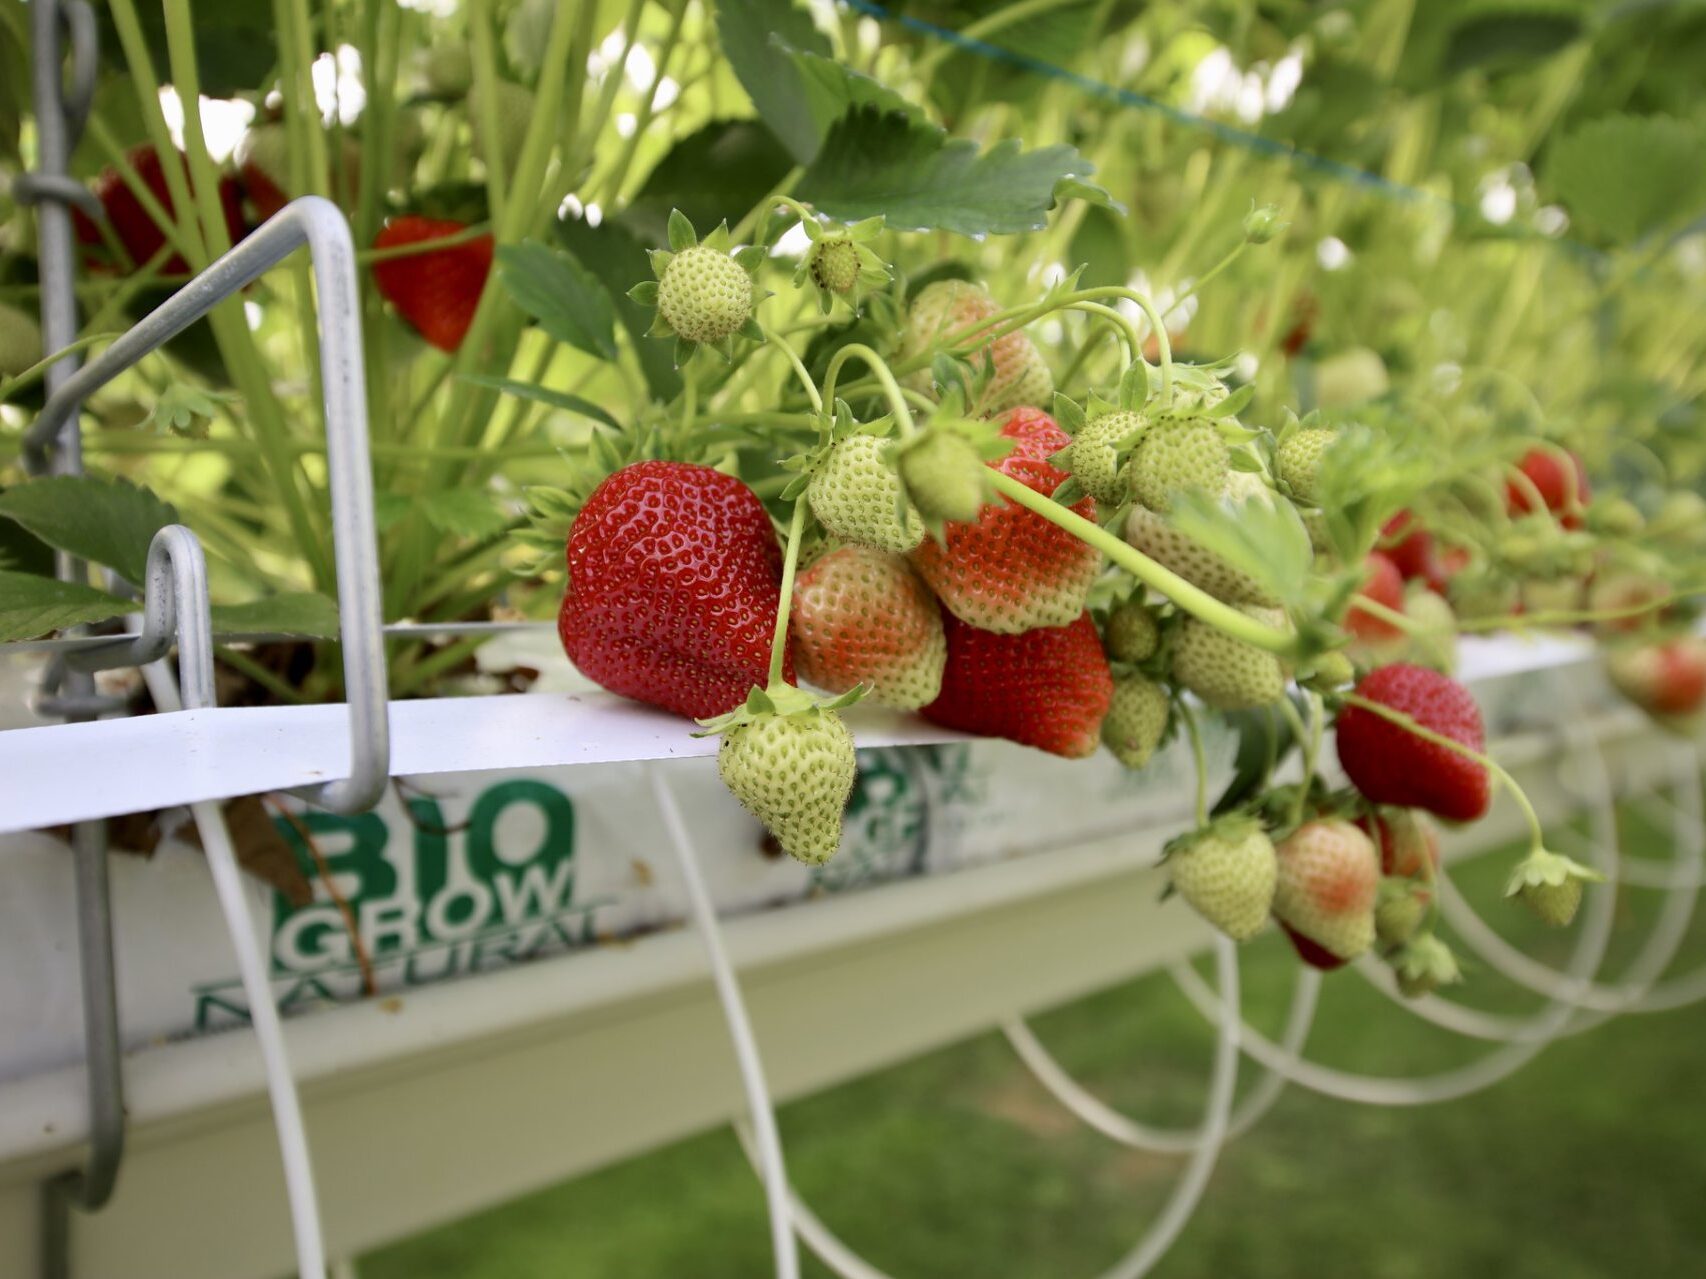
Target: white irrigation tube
(1187, 1192)
(263, 1012)
(1097, 1114)
(773, 1173)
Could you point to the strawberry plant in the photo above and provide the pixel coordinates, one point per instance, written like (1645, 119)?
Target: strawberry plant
(939, 366)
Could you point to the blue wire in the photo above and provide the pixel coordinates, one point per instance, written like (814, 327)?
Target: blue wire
(1256, 142)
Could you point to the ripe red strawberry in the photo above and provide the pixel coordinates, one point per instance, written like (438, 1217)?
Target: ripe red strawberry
(1048, 687)
(674, 579)
(1409, 546)
(129, 221)
(1450, 561)
(1316, 956)
(1409, 858)
(1329, 877)
(438, 290)
(1384, 584)
(1408, 845)
(1391, 765)
(1666, 679)
(1011, 570)
(862, 616)
(1563, 488)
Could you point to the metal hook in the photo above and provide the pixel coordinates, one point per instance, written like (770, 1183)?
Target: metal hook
(174, 603)
(78, 19)
(318, 224)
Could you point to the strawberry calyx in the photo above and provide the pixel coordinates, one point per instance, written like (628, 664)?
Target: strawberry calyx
(781, 700)
(1550, 884)
(839, 263)
(1232, 828)
(1424, 964)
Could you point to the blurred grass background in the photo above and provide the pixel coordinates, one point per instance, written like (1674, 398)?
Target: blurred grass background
(1589, 1162)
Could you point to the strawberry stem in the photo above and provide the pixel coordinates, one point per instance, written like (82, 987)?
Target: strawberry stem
(800, 370)
(1537, 835)
(1199, 758)
(1193, 599)
(885, 377)
(784, 605)
(1572, 617)
(1391, 616)
(1236, 252)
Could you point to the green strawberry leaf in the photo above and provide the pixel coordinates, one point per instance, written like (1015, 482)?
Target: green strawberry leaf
(1625, 176)
(831, 87)
(467, 513)
(542, 395)
(1264, 539)
(610, 251)
(759, 38)
(1264, 740)
(717, 172)
(32, 606)
(108, 522)
(1506, 36)
(921, 179)
(305, 613)
(566, 298)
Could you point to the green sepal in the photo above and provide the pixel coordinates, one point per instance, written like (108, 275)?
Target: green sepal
(645, 293)
(720, 239)
(1235, 403)
(683, 349)
(1067, 415)
(750, 258)
(1070, 491)
(1231, 826)
(1543, 868)
(778, 699)
(661, 328)
(660, 260)
(681, 232)
(1134, 386)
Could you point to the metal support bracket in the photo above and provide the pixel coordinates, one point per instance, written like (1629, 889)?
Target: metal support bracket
(318, 224)
(59, 118)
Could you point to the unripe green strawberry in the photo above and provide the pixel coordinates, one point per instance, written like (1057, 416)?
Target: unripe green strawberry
(945, 476)
(1298, 464)
(1332, 670)
(514, 104)
(1555, 904)
(1178, 454)
(1351, 377)
(1136, 719)
(946, 309)
(834, 264)
(1093, 459)
(855, 495)
(1329, 877)
(1132, 633)
(20, 341)
(1424, 965)
(794, 773)
(1151, 534)
(1434, 642)
(1400, 908)
(705, 295)
(1550, 885)
(449, 70)
(1227, 673)
(864, 617)
(1228, 873)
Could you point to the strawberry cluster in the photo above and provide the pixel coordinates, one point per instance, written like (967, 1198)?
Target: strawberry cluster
(1063, 575)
